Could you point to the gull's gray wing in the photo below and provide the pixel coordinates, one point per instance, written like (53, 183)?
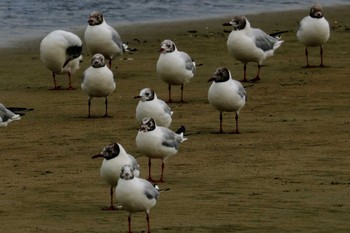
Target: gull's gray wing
(189, 63)
(170, 139)
(263, 40)
(116, 38)
(165, 107)
(149, 190)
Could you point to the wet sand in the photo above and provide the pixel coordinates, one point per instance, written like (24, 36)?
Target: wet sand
(288, 170)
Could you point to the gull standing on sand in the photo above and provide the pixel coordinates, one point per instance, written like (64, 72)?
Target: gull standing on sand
(248, 44)
(135, 194)
(115, 157)
(150, 106)
(98, 81)
(6, 116)
(60, 51)
(174, 67)
(226, 94)
(157, 142)
(314, 31)
(102, 38)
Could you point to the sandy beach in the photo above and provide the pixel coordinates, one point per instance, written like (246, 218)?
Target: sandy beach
(288, 170)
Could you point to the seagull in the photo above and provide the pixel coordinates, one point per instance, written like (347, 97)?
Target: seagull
(157, 142)
(226, 94)
(115, 157)
(174, 67)
(248, 44)
(150, 106)
(314, 31)
(60, 51)
(102, 38)
(98, 81)
(6, 116)
(135, 194)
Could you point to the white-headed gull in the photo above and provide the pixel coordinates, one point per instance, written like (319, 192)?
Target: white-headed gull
(115, 157)
(150, 106)
(314, 31)
(174, 67)
(135, 194)
(102, 38)
(98, 80)
(60, 51)
(247, 44)
(6, 116)
(157, 142)
(226, 94)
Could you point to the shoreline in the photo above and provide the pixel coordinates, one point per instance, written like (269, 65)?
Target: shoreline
(123, 27)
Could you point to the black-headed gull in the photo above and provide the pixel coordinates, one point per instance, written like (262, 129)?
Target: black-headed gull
(150, 106)
(98, 81)
(102, 38)
(60, 51)
(314, 31)
(6, 116)
(115, 157)
(247, 44)
(135, 194)
(174, 67)
(226, 94)
(157, 142)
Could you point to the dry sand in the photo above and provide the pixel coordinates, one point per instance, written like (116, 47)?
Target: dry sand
(288, 170)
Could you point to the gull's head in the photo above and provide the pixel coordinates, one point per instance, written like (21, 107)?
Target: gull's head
(316, 11)
(95, 18)
(109, 152)
(146, 94)
(238, 23)
(98, 60)
(147, 124)
(127, 173)
(167, 46)
(222, 74)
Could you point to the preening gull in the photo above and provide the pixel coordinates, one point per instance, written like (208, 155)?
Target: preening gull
(60, 51)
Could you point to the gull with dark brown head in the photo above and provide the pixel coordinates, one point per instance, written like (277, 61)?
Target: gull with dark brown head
(314, 32)
(98, 81)
(114, 158)
(247, 44)
(157, 142)
(174, 67)
(150, 106)
(226, 94)
(102, 38)
(135, 194)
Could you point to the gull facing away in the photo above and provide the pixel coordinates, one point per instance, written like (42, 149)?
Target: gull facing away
(98, 81)
(226, 94)
(174, 67)
(60, 51)
(157, 142)
(102, 38)
(6, 116)
(114, 158)
(135, 194)
(150, 106)
(314, 32)
(247, 44)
